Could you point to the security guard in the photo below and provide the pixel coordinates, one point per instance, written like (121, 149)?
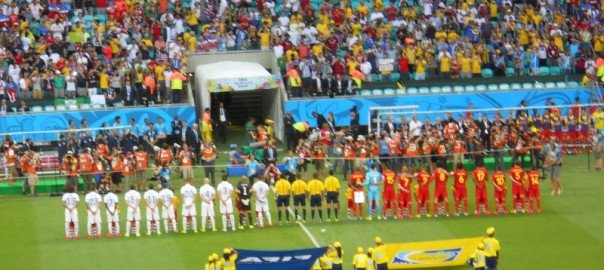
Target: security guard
(491, 249)
(338, 255)
(379, 255)
(283, 189)
(332, 187)
(228, 259)
(299, 189)
(360, 260)
(479, 258)
(316, 190)
(370, 260)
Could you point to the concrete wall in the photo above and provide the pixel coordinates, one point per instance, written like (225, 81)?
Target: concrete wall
(265, 58)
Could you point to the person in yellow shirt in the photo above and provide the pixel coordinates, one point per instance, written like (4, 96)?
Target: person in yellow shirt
(211, 264)
(104, 80)
(283, 189)
(370, 260)
(299, 190)
(476, 68)
(228, 259)
(332, 187)
(445, 66)
(420, 68)
(326, 262)
(265, 38)
(466, 67)
(492, 249)
(316, 190)
(379, 255)
(362, 9)
(338, 256)
(478, 258)
(360, 260)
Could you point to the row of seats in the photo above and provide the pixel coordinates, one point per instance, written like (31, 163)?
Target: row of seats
(467, 88)
(63, 108)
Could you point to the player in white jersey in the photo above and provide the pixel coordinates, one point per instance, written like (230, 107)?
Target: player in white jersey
(261, 190)
(152, 202)
(113, 219)
(225, 195)
(71, 200)
(207, 194)
(189, 194)
(167, 213)
(93, 205)
(133, 215)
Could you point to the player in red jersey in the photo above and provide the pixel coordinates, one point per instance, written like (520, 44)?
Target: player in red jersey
(423, 193)
(356, 179)
(404, 193)
(440, 176)
(498, 179)
(517, 176)
(460, 193)
(388, 194)
(481, 175)
(533, 187)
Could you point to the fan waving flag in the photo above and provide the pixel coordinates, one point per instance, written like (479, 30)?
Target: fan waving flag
(300, 259)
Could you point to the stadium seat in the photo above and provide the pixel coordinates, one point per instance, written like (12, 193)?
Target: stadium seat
(375, 77)
(61, 108)
(504, 86)
(446, 89)
(555, 71)
(401, 91)
(36, 109)
(395, 76)
(509, 72)
(365, 92)
(102, 18)
(470, 88)
(458, 89)
(85, 106)
(424, 90)
(543, 71)
(389, 92)
(538, 85)
(49, 108)
(493, 87)
(412, 91)
(550, 85)
(73, 107)
(97, 106)
(481, 88)
(435, 89)
(527, 86)
(573, 84)
(561, 84)
(516, 86)
(377, 92)
(487, 73)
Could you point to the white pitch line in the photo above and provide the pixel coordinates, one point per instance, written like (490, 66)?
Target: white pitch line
(312, 238)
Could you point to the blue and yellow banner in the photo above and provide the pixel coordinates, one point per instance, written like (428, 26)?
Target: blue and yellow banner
(431, 254)
(301, 259)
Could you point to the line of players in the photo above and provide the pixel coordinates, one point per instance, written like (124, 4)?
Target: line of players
(165, 199)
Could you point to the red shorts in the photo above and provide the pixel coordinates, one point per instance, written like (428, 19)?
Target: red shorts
(350, 203)
(388, 195)
(481, 194)
(423, 195)
(534, 192)
(404, 198)
(517, 190)
(583, 135)
(499, 194)
(460, 193)
(440, 193)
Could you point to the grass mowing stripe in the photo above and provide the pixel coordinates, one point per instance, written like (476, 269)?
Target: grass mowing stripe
(312, 238)
(19, 234)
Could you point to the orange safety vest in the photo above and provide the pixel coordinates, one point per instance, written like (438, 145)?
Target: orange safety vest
(458, 147)
(24, 164)
(32, 166)
(412, 150)
(98, 167)
(128, 167)
(348, 152)
(141, 160)
(208, 154)
(165, 155)
(84, 161)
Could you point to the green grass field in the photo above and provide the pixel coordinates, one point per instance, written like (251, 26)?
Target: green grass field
(566, 235)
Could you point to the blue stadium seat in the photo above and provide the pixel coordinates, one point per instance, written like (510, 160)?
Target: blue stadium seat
(424, 90)
(516, 86)
(573, 84)
(389, 92)
(375, 77)
(61, 108)
(49, 108)
(401, 91)
(504, 87)
(487, 73)
(365, 92)
(377, 92)
(527, 86)
(538, 85)
(458, 89)
(543, 71)
(412, 91)
(554, 71)
(446, 89)
(550, 85)
(395, 76)
(470, 88)
(561, 85)
(509, 72)
(493, 87)
(97, 106)
(36, 109)
(481, 88)
(85, 106)
(435, 89)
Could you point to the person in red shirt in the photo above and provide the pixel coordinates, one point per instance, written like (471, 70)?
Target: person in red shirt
(403, 67)
(423, 193)
(389, 194)
(356, 179)
(140, 166)
(517, 176)
(391, 12)
(533, 189)
(460, 192)
(498, 179)
(440, 176)
(481, 175)
(404, 193)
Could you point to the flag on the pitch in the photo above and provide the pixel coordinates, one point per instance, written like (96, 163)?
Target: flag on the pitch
(301, 259)
(431, 254)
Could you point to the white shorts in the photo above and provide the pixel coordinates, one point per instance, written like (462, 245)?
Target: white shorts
(262, 206)
(189, 211)
(133, 214)
(207, 209)
(113, 218)
(94, 218)
(152, 214)
(71, 216)
(168, 212)
(226, 208)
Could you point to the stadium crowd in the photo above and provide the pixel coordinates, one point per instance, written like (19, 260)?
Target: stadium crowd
(134, 52)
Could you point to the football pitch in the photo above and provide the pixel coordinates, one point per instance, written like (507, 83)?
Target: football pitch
(566, 235)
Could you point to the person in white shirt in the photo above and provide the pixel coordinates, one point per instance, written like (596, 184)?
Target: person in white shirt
(113, 220)
(225, 194)
(93, 202)
(415, 127)
(189, 212)
(71, 200)
(260, 190)
(152, 202)
(207, 194)
(166, 195)
(133, 215)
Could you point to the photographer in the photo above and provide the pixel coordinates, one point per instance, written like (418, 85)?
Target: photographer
(186, 158)
(208, 160)
(163, 174)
